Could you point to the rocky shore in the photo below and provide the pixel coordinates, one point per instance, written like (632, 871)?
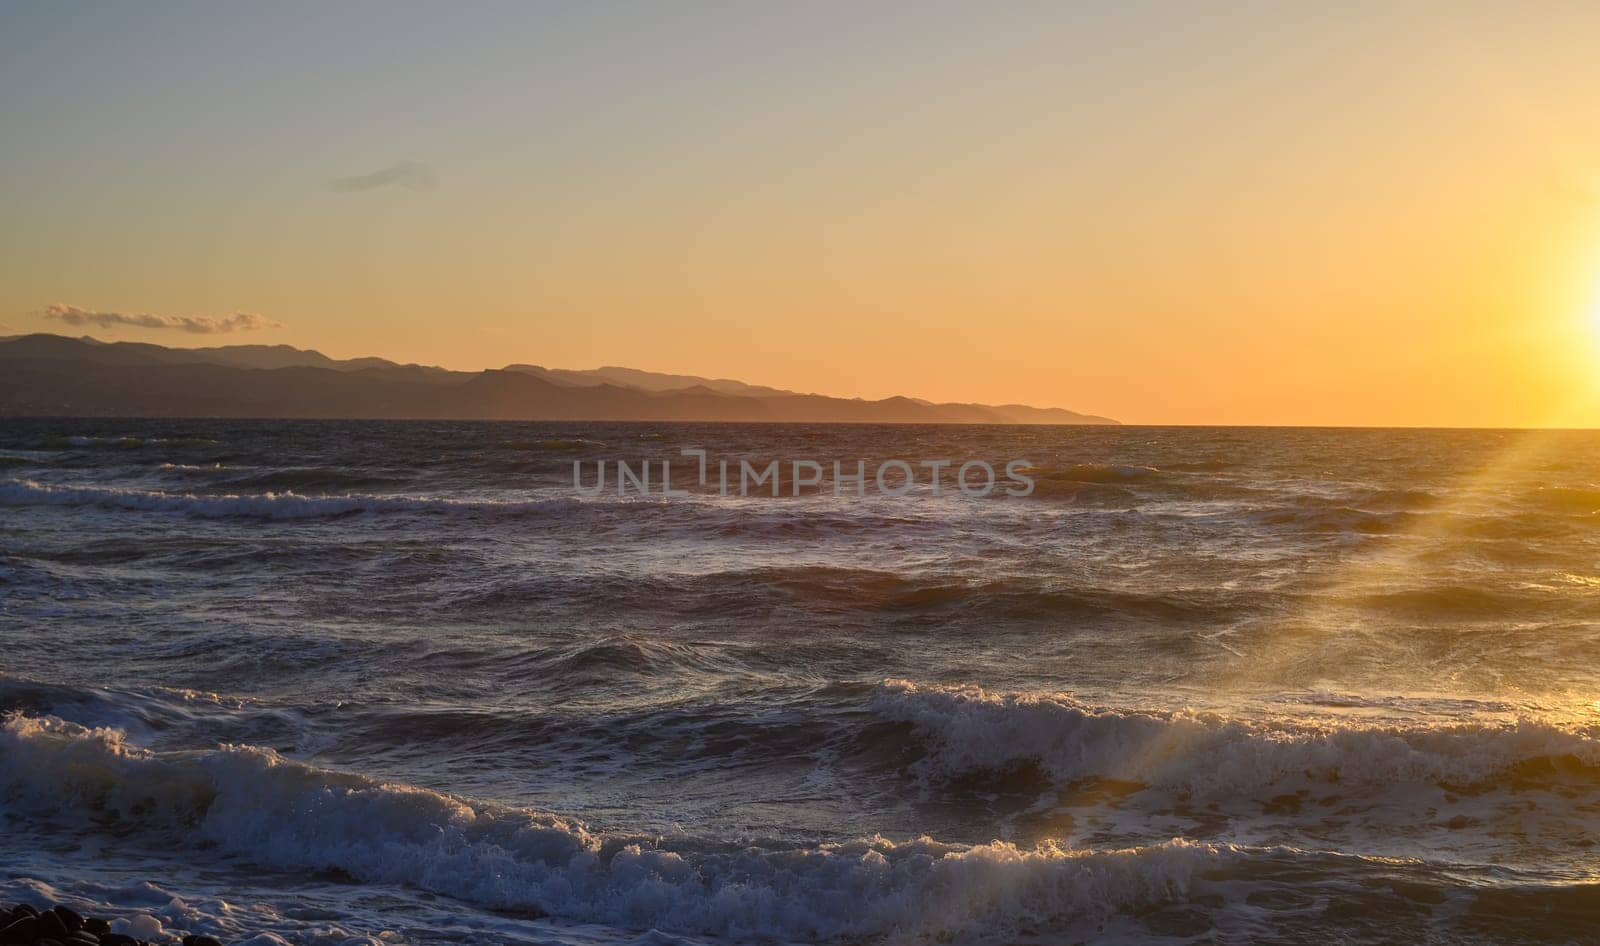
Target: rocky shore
(26, 925)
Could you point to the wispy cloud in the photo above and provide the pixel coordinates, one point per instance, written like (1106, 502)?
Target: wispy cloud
(196, 324)
(412, 175)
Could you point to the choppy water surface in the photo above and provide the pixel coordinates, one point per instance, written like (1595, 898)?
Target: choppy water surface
(351, 681)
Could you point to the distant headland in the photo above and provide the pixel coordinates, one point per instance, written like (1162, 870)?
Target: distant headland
(53, 375)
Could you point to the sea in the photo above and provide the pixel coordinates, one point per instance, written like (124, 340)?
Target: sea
(331, 682)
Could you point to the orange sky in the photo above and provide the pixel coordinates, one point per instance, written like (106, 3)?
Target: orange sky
(1340, 215)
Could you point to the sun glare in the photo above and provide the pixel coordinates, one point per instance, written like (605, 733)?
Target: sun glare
(1591, 321)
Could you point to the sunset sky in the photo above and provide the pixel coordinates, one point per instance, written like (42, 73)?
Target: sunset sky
(1363, 213)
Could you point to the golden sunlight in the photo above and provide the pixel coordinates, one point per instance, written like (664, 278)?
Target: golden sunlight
(1593, 313)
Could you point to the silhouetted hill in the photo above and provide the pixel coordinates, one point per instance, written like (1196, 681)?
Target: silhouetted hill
(51, 375)
(646, 380)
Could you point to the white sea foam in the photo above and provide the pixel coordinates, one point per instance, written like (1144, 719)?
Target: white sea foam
(973, 730)
(150, 912)
(252, 802)
(286, 505)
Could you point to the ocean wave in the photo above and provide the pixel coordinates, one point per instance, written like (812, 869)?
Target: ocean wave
(874, 593)
(157, 715)
(1022, 599)
(1411, 499)
(253, 803)
(130, 442)
(1103, 473)
(1091, 483)
(270, 505)
(972, 731)
(1335, 518)
(553, 444)
(313, 478)
(628, 654)
(1471, 603)
(1572, 500)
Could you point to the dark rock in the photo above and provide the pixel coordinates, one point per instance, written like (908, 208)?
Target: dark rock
(71, 920)
(192, 940)
(83, 936)
(47, 941)
(96, 925)
(118, 939)
(24, 909)
(25, 930)
(51, 927)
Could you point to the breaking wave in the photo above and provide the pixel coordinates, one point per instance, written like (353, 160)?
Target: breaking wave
(970, 730)
(251, 802)
(286, 505)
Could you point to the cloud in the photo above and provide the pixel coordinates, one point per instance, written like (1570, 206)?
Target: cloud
(412, 175)
(196, 324)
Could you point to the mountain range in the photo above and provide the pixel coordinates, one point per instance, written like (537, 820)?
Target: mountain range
(53, 375)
